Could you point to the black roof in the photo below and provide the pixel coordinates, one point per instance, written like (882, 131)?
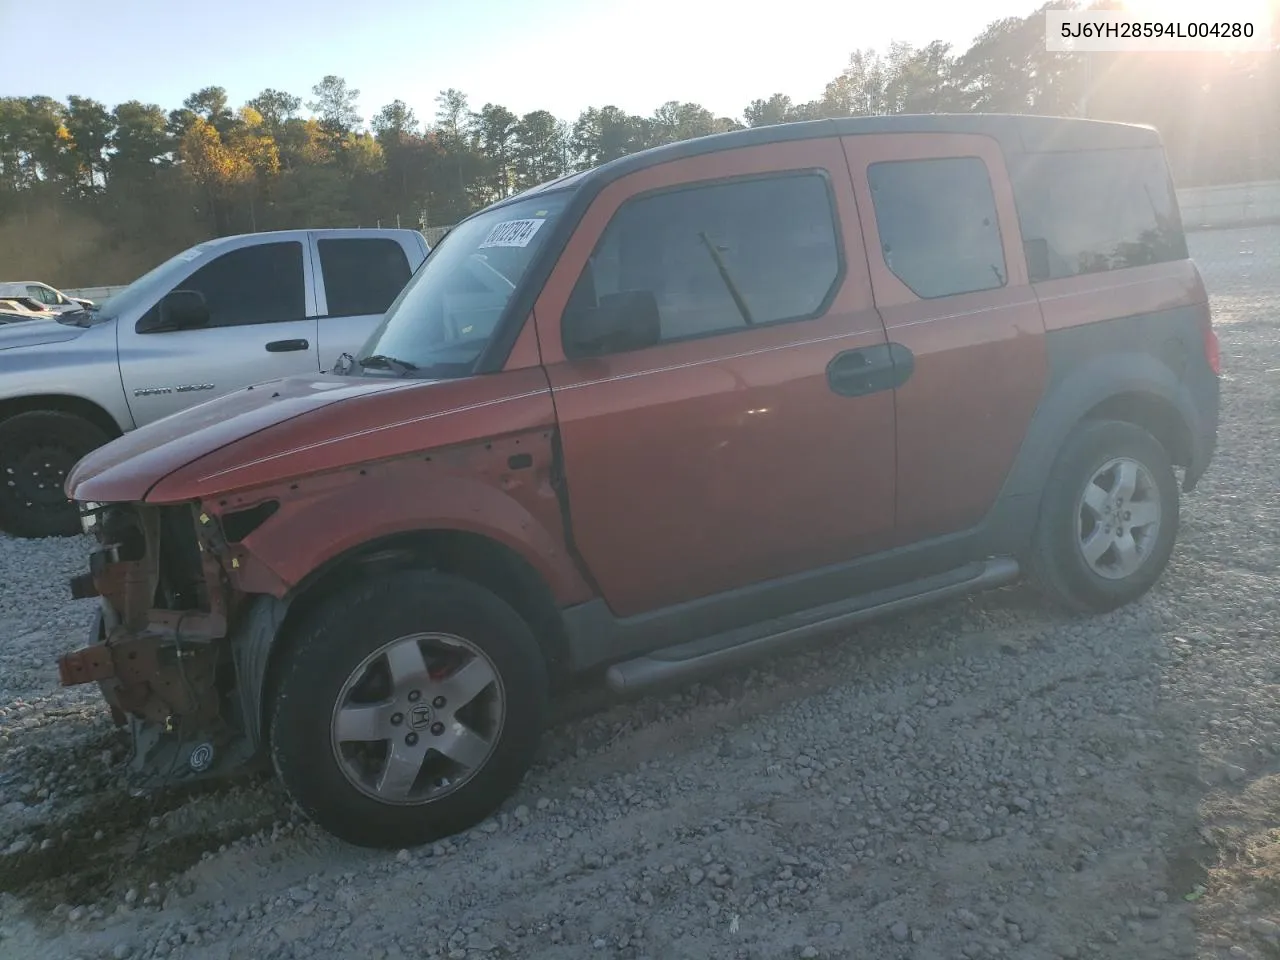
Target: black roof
(1016, 133)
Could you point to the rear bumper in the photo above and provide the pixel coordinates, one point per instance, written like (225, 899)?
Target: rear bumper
(1204, 441)
(1203, 449)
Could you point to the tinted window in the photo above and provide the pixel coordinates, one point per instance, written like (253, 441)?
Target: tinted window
(939, 233)
(772, 241)
(42, 294)
(1097, 210)
(362, 276)
(258, 284)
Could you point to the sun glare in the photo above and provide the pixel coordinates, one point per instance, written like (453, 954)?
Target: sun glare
(1257, 10)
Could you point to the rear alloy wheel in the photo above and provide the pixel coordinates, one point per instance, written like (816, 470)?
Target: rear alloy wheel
(1108, 518)
(407, 709)
(37, 451)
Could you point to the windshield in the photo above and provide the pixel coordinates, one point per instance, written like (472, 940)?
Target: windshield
(147, 288)
(442, 320)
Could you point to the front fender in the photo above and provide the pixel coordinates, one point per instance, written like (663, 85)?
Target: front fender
(474, 489)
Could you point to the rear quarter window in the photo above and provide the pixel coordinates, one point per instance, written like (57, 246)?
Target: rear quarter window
(1097, 210)
(362, 275)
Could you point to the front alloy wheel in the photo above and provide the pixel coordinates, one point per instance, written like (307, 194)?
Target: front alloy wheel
(406, 709)
(417, 718)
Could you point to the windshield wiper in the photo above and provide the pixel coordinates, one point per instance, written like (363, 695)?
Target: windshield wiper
(380, 361)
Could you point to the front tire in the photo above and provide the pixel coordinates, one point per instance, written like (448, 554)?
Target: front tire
(407, 709)
(37, 451)
(1108, 518)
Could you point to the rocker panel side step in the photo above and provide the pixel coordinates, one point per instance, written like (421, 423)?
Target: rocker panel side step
(735, 647)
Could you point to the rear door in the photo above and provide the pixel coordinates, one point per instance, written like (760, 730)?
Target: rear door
(358, 278)
(262, 326)
(950, 280)
(755, 439)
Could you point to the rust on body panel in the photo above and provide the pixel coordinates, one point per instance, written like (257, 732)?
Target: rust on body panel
(155, 663)
(693, 436)
(980, 360)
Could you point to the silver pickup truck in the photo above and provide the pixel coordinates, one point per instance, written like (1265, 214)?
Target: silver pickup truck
(215, 318)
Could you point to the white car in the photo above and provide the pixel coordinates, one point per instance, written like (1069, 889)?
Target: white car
(42, 293)
(29, 308)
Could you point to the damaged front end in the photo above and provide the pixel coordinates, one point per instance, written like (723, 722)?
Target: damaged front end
(159, 649)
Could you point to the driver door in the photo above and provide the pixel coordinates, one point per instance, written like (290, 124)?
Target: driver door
(734, 450)
(262, 326)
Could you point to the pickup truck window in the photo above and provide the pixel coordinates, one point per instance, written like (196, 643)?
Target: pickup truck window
(721, 256)
(939, 230)
(362, 275)
(262, 283)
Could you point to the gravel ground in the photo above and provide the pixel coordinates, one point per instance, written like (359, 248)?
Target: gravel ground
(982, 779)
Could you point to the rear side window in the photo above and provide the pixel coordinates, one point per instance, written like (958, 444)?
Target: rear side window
(939, 232)
(1096, 210)
(362, 275)
(766, 246)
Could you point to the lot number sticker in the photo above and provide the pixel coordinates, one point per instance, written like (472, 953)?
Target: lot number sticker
(512, 233)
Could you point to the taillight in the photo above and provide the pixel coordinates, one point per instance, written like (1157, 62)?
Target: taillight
(1212, 352)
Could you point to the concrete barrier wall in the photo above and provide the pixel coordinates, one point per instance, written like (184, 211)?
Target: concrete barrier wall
(1230, 205)
(96, 294)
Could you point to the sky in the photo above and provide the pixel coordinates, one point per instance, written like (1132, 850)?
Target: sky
(557, 55)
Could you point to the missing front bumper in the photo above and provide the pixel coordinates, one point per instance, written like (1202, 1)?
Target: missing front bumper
(158, 645)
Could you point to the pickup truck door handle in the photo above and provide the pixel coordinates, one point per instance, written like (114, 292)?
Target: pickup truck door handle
(283, 346)
(856, 373)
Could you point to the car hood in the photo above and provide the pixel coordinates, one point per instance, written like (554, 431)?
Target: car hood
(126, 469)
(38, 331)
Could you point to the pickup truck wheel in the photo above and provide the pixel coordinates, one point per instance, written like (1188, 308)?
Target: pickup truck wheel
(407, 709)
(37, 451)
(1108, 518)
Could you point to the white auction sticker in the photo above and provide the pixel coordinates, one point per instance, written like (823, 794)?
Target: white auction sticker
(512, 233)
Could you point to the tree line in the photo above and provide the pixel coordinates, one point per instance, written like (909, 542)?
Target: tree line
(97, 195)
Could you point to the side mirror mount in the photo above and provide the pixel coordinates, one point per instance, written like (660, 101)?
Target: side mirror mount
(619, 322)
(179, 310)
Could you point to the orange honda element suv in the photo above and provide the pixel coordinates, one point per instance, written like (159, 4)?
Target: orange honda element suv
(650, 420)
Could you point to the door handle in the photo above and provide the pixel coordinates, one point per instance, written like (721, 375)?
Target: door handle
(856, 373)
(283, 346)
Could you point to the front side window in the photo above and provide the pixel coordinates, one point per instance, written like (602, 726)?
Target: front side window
(446, 315)
(263, 283)
(362, 275)
(722, 256)
(42, 294)
(939, 232)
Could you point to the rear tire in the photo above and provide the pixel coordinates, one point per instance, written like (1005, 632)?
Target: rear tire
(1108, 518)
(363, 729)
(37, 451)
